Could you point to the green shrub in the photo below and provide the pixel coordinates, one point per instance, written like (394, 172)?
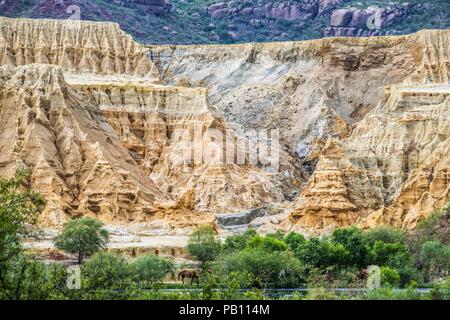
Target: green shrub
(388, 254)
(82, 237)
(204, 244)
(294, 241)
(239, 242)
(229, 285)
(441, 291)
(322, 253)
(353, 241)
(435, 258)
(389, 277)
(279, 269)
(267, 244)
(106, 271)
(384, 234)
(19, 209)
(320, 294)
(28, 279)
(151, 268)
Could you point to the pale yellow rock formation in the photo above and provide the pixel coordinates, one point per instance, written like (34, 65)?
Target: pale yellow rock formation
(77, 46)
(394, 168)
(76, 161)
(373, 162)
(364, 125)
(99, 133)
(158, 126)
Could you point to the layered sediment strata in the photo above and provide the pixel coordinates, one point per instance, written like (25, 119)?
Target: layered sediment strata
(395, 165)
(77, 46)
(363, 123)
(394, 169)
(319, 93)
(77, 162)
(165, 129)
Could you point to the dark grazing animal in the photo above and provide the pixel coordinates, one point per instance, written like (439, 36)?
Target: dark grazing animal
(190, 274)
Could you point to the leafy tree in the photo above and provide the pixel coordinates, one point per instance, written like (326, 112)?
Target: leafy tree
(105, 270)
(204, 244)
(441, 291)
(239, 242)
(323, 253)
(267, 244)
(435, 257)
(230, 285)
(151, 268)
(19, 209)
(353, 241)
(33, 280)
(82, 237)
(435, 227)
(389, 254)
(294, 241)
(384, 234)
(274, 268)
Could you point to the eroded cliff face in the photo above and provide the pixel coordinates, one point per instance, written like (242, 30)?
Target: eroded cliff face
(76, 46)
(329, 100)
(164, 129)
(126, 133)
(101, 137)
(394, 168)
(310, 90)
(77, 162)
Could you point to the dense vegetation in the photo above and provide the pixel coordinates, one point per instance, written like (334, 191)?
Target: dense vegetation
(189, 22)
(247, 266)
(82, 237)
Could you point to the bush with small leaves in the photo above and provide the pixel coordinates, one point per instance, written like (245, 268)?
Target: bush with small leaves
(268, 268)
(151, 268)
(83, 237)
(204, 244)
(352, 240)
(389, 277)
(106, 271)
(267, 244)
(239, 242)
(435, 258)
(294, 241)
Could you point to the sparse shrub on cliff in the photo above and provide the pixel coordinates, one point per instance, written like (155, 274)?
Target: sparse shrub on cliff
(441, 291)
(82, 237)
